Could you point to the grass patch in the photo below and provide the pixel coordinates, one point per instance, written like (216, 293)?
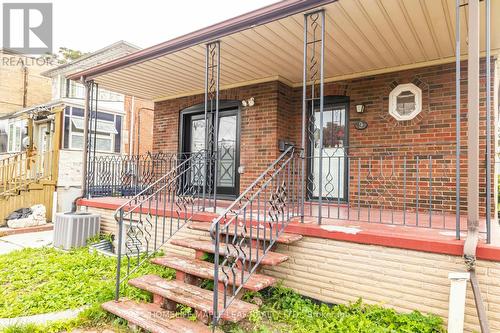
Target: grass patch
(35, 281)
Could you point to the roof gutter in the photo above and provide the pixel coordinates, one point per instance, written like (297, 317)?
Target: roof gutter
(246, 21)
(63, 67)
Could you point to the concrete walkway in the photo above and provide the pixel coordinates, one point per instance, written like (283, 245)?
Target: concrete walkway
(28, 240)
(41, 318)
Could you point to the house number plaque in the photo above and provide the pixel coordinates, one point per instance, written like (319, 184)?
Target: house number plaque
(360, 125)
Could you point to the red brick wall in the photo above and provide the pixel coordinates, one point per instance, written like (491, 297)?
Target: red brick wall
(259, 126)
(277, 115)
(143, 108)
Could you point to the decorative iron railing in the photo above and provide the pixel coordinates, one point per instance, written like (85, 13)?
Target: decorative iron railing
(394, 188)
(19, 171)
(151, 217)
(249, 227)
(126, 175)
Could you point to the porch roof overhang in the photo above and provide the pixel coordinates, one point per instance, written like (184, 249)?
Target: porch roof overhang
(362, 38)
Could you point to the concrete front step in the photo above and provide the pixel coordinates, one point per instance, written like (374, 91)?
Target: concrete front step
(253, 233)
(205, 270)
(253, 254)
(151, 317)
(192, 296)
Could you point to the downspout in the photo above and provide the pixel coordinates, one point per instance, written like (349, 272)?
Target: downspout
(139, 143)
(473, 96)
(472, 138)
(139, 127)
(138, 131)
(131, 127)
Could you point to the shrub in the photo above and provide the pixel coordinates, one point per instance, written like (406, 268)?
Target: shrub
(301, 315)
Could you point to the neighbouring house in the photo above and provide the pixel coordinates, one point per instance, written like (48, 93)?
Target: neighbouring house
(340, 146)
(21, 85)
(55, 132)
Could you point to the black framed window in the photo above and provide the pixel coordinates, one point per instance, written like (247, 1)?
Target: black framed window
(108, 130)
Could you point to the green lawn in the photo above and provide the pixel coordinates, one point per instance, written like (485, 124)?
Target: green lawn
(34, 281)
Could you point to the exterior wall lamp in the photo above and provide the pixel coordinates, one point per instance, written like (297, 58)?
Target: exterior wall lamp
(360, 108)
(248, 102)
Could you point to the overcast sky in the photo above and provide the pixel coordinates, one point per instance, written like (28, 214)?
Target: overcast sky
(89, 25)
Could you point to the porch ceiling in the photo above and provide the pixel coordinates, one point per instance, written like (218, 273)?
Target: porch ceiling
(363, 37)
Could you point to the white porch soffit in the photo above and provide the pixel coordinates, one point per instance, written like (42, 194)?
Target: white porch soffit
(363, 37)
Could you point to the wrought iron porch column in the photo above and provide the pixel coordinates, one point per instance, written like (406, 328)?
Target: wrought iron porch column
(212, 84)
(93, 134)
(313, 71)
(304, 121)
(89, 135)
(90, 114)
(86, 111)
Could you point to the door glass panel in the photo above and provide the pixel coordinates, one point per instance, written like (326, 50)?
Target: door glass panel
(334, 135)
(197, 145)
(197, 135)
(227, 152)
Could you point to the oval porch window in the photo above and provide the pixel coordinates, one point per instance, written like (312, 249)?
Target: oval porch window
(405, 101)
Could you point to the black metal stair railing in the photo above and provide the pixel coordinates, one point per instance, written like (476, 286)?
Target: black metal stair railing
(249, 227)
(150, 218)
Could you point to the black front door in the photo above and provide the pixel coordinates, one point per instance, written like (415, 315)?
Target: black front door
(228, 146)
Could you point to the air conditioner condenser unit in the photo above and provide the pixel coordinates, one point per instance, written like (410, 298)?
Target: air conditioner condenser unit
(74, 228)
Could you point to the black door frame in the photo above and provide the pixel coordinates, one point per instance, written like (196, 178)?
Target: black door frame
(226, 107)
(327, 102)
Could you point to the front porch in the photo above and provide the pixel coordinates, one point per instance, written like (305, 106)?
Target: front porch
(324, 119)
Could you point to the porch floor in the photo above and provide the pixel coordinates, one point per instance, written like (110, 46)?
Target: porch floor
(423, 231)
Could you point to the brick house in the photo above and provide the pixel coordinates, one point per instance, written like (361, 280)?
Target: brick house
(350, 142)
(54, 128)
(21, 85)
